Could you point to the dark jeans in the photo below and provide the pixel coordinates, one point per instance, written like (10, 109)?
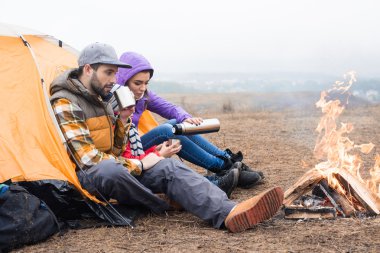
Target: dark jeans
(181, 184)
(195, 148)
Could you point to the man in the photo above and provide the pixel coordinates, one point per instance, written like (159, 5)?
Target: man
(87, 124)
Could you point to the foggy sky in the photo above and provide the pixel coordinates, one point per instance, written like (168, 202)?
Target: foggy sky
(327, 36)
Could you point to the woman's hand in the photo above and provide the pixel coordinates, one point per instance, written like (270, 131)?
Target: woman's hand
(168, 148)
(195, 121)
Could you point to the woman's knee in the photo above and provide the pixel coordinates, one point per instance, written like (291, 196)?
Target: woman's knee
(165, 129)
(171, 122)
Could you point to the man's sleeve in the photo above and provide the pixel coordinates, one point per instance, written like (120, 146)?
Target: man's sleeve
(71, 120)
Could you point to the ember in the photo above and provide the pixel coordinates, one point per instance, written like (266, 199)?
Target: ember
(337, 178)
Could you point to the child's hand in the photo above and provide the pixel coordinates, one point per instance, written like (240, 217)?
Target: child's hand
(168, 148)
(158, 147)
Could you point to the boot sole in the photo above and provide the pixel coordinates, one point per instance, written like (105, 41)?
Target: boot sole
(255, 210)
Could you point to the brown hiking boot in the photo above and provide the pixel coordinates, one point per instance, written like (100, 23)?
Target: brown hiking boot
(254, 210)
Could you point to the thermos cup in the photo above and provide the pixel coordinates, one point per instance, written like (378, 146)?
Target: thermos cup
(124, 97)
(207, 126)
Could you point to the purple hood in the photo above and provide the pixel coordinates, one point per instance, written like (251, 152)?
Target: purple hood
(150, 101)
(138, 63)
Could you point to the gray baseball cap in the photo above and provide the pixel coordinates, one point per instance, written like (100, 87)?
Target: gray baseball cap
(100, 53)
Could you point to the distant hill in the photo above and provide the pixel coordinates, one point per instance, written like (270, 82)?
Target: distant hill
(365, 89)
(201, 103)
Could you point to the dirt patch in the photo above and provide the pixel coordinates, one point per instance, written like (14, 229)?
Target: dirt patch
(274, 142)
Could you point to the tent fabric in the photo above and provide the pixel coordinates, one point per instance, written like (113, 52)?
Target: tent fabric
(31, 146)
(146, 122)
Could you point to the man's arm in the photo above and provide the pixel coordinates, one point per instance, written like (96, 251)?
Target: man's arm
(71, 120)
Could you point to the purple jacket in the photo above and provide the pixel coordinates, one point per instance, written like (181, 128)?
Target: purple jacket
(150, 101)
(158, 105)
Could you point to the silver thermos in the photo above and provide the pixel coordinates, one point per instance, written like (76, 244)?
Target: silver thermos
(207, 126)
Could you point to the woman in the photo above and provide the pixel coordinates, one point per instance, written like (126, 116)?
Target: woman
(195, 148)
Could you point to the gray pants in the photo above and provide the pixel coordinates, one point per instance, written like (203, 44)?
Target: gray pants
(191, 190)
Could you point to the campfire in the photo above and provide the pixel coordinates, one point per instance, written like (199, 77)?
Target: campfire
(336, 184)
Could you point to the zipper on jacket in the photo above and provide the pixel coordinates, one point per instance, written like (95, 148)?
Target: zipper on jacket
(109, 121)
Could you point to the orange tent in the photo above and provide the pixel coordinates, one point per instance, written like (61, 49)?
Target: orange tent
(146, 122)
(31, 144)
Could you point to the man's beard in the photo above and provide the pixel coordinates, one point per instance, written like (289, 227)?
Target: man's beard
(97, 86)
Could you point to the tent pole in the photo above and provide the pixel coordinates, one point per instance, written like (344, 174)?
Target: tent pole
(47, 101)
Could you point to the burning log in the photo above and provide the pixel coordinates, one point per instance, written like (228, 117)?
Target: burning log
(353, 186)
(296, 213)
(302, 186)
(338, 201)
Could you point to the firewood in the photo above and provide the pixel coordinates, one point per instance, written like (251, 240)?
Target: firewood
(328, 194)
(296, 212)
(368, 200)
(302, 186)
(337, 199)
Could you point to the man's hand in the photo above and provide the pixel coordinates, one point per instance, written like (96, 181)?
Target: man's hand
(195, 121)
(150, 160)
(168, 148)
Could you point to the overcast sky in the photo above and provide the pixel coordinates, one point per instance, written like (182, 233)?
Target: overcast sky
(329, 36)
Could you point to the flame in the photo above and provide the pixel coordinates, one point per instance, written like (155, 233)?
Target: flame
(365, 148)
(333, 144)
(374, 183)
(335, 184)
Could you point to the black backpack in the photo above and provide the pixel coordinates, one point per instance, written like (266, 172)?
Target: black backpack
(24, 218)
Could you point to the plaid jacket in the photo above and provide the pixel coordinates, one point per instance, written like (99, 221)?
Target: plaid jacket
(74, 125)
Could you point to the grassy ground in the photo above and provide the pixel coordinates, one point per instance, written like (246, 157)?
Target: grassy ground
(274, 141)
